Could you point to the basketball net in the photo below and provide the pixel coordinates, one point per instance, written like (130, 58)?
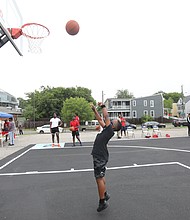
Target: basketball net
(35, 34)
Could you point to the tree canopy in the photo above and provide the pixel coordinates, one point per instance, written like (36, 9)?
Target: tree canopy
(43, 103)
(124, 94)
(77, 105)
(68, 101)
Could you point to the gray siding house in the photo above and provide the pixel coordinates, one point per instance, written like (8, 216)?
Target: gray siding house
(136, 107)
(183, 107)
(8, 103)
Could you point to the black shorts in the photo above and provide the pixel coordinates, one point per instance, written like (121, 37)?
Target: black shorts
(54, 130)
(75, 133)
(99, 167)
(123, 128)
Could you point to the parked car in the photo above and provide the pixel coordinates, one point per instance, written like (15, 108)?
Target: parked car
(151, 124)
(45, 129)
(89, 125)
(130, 125)
(179, 122)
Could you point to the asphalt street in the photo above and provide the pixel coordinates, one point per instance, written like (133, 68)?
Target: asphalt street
(147, 179)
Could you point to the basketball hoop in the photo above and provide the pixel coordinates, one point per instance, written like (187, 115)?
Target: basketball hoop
(35, 34)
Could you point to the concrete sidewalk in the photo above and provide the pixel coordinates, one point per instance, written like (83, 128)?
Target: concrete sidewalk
(22, 141)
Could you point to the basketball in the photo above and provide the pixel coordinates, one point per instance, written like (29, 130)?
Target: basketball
(72, 27)
(72, 128)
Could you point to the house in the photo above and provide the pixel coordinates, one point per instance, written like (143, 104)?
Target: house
(136, 107)
(187, 104)
(183, 106)
(174, 110)
(9, 104)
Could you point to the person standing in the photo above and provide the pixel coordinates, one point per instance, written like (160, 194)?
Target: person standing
(100, 153)
(77, 117)
(55, 123)
(20, 129)
(11, 131)
(75, 132)
(118, 132)
(188, 124)
(6, 130)
(123, 125)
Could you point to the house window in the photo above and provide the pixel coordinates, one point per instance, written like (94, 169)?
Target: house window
(151, 103)
(145, 102)
(134, 114)
(152, 113)
(145, 112)
(134, 103)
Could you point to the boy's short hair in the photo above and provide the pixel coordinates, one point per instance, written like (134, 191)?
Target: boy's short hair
(116, 124)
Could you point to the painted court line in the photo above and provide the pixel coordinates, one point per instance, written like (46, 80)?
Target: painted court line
(15, 158)
(183, 165)
(40, 146)
(67, 171)
(35, 147)
(153, 148)
(47, 146)
(72, 170)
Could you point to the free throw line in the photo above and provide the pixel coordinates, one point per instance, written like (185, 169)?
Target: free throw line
(72, 170)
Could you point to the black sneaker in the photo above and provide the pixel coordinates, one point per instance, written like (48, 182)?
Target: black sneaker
(102, 205)
(107, 196)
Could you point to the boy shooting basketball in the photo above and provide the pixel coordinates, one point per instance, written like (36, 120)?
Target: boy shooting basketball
(100, 153)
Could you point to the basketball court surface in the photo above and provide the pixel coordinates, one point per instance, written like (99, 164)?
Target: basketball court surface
(147, 179)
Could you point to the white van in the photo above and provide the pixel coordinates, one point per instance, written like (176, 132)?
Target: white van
(89, 125)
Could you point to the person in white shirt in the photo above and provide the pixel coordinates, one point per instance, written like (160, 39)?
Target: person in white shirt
(55, 123)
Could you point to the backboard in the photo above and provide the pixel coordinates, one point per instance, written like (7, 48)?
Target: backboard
(10, 17)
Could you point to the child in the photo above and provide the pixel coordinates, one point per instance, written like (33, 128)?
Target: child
(75, 123)
(100, 153)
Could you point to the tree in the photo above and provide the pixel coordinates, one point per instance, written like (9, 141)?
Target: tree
(170, 98)
(175, 96)
(146, 118)
(76, 105)
(22, 103)
(168, 103)
(28, 112)
(49, 100)
(124, 94)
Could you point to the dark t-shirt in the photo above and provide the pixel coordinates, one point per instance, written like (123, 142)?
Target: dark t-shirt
(188, 121)
(100, 144)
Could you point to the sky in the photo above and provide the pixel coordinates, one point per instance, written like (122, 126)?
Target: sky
(139, 45)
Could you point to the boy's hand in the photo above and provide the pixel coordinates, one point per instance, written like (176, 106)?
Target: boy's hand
(100, 103)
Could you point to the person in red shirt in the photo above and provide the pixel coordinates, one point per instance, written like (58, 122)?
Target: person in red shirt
(6, 130)
(123, 125)
(77, 117)
(75, 133)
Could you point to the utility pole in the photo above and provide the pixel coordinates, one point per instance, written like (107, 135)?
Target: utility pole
(34, 110)
(103, 96)
(183, 103)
